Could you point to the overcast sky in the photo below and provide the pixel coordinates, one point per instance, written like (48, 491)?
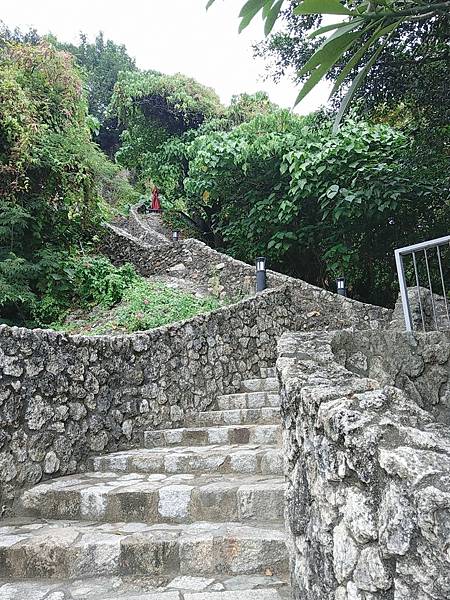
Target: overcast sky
(170, 36)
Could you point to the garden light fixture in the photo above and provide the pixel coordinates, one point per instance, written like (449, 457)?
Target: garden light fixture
(341, 287)
(260, 273)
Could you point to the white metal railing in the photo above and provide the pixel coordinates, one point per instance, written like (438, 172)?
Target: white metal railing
(428, 252)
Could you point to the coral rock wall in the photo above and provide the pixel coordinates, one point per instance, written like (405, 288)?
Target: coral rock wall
(368, 463)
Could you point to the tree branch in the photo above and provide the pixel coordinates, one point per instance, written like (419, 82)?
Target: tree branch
(428, 9)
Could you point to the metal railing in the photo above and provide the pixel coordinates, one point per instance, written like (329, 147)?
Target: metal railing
(427, 261)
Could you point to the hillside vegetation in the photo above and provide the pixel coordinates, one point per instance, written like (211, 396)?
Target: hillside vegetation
(84, 134)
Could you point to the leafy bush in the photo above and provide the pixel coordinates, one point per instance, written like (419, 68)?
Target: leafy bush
(317, 204)
(80, 280)
(51, 173)
(143, 305)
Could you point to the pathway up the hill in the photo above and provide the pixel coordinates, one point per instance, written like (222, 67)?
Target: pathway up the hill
(197, 514)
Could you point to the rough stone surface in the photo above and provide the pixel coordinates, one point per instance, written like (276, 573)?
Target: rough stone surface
(198, 511)
(367, 444)
(64, 398)
(194, 520)
(428, 312)
(73, 396)
(248, 587)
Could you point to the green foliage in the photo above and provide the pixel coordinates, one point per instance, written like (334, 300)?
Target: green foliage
(51, 173)
(148, 305)
(316, 203)
(175, 103)
(101, 61)
(143, 305)
(244, 107)
(157, 111)
(411, 71)
(163, 115)
(356, 42)
(78, 280)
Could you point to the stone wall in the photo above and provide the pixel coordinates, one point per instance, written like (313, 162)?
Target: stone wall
(63, 398)
(233, 279)
(368, 464)
(429, 312)
(138, 228)
(420, 369)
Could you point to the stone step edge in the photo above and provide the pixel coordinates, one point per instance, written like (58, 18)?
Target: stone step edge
(107, 588)
(237, 416)
(156, 551)
(181, 502)
(206, 435)
(264, 460)
(260, 384)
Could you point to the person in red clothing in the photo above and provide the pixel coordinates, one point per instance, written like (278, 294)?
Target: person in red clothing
(156, 205)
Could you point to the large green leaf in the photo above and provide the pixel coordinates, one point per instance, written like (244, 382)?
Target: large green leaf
(250, 9)
(330, 51)
(324, 7)
(324, 59)
(355, 59)
(339, 25)
(272, 16)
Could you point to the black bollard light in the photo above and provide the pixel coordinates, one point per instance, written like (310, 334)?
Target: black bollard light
(175, 236)
(341, 287)
(260, 273)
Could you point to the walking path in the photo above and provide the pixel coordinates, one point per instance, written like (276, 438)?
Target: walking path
(197, 514)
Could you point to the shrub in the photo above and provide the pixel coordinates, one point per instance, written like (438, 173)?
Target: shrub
(317, 204)
(52, 175)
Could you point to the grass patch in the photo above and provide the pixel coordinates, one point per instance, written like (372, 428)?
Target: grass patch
(144, 305)
(148, 305)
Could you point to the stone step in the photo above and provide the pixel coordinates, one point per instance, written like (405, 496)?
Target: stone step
(249, 459)
(268, 372)
(266, 384)
(65, 549)
(242, 587)
(157, 498)
(248, 400)
(205, 436)
(244, 416)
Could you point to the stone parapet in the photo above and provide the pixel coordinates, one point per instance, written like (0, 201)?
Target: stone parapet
(367, 449)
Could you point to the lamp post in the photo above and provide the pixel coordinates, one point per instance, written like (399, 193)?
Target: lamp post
(260, 273)
(175, 236)
(341, 287)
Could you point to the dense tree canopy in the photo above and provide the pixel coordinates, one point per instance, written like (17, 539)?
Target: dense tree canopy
(51, 173)
(317, 204)
(253, 178)
(363, 31)
(156, 110)
(102, 61)
(413, 68)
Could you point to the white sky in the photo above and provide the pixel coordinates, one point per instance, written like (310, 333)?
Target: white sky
(170, 36)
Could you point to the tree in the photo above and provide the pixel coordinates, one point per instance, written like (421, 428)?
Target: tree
(156, 110)
(51, 173)
(366, 29)
(16, 35)
(102, 61)
(411, 72)
(317, 204)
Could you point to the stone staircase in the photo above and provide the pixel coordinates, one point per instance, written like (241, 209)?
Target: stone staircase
(197, 514)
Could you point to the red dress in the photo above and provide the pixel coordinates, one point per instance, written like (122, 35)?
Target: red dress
(156, 205)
